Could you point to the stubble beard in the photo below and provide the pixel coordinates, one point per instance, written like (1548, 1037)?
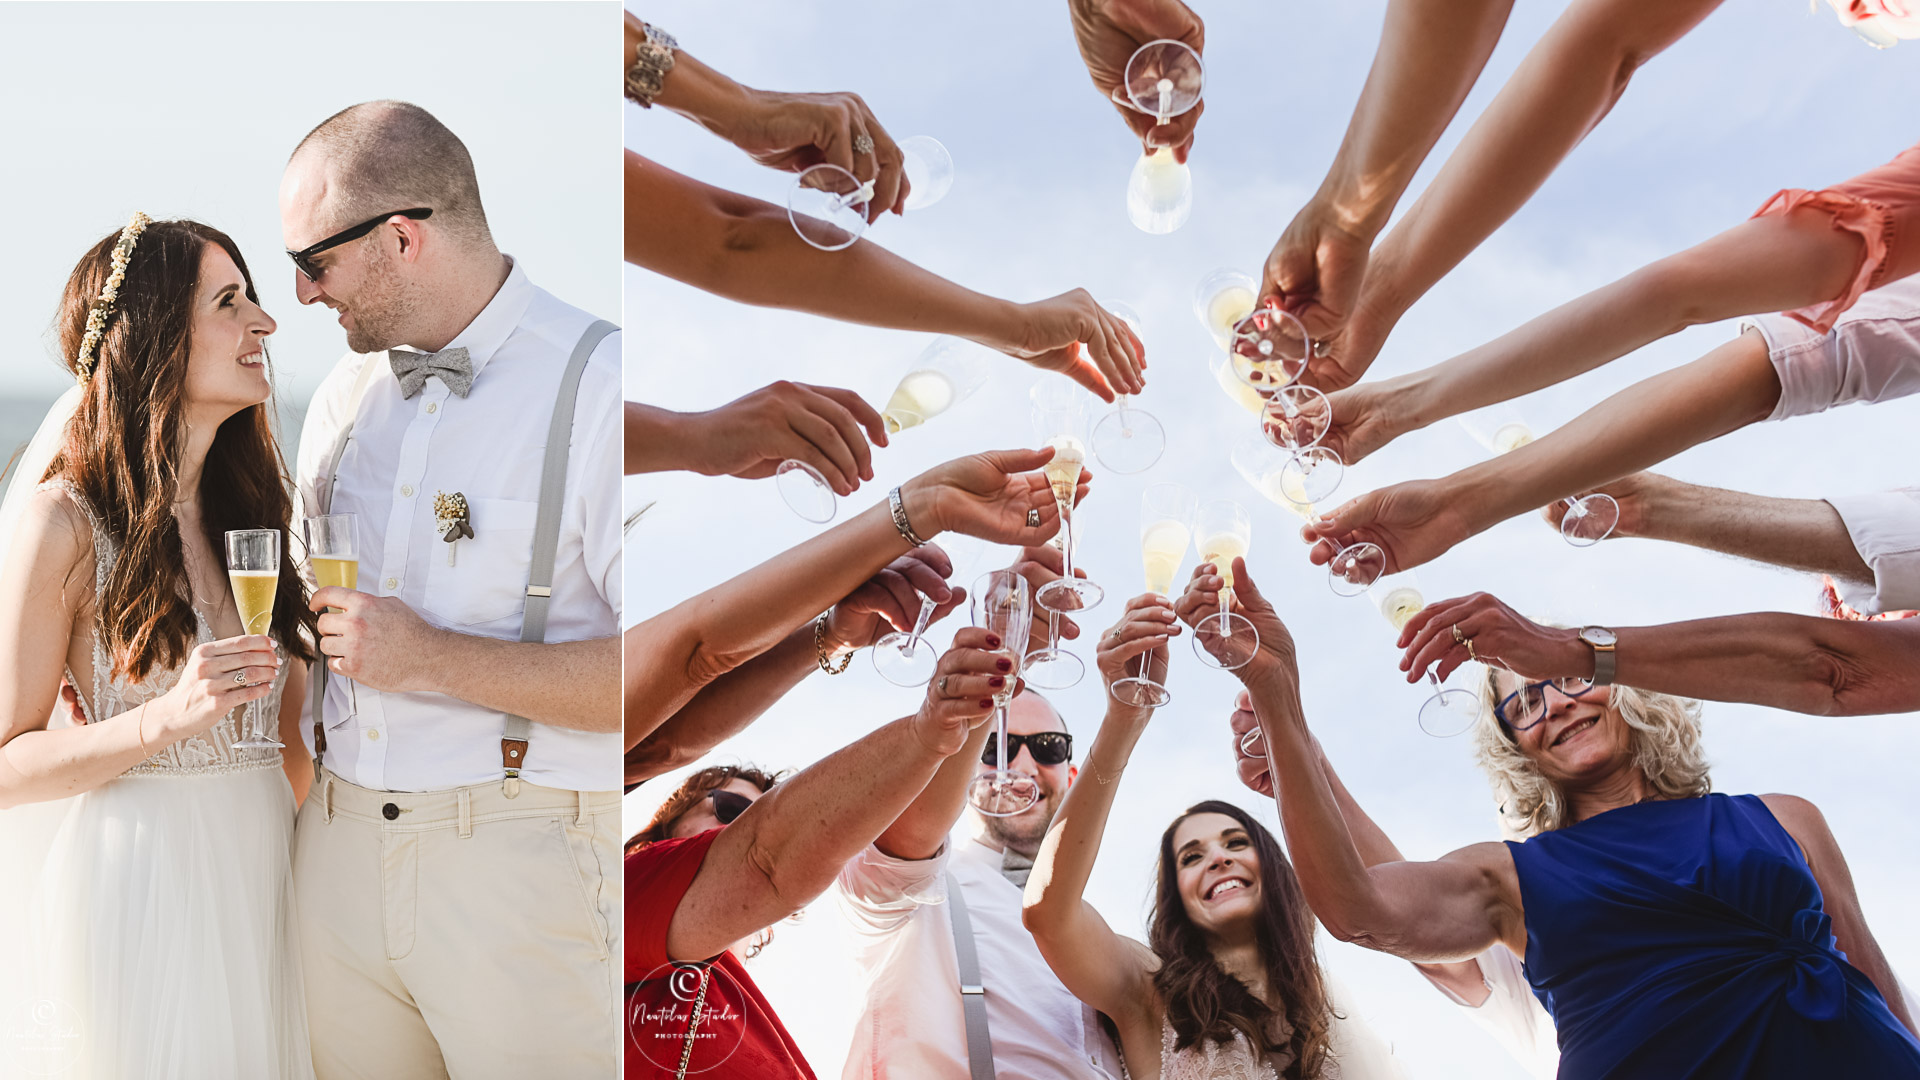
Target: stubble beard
(384, 313)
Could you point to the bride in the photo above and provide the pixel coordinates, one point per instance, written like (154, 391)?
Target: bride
(146, 892)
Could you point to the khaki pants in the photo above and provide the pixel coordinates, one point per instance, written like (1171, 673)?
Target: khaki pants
(460, 934)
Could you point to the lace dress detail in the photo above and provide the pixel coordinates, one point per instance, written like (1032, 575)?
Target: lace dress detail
(1209, 1060)
(210, 752)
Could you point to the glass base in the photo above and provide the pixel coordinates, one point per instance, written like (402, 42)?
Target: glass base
(1314, 473)
(1354, 569)
(1069, 595)
(1052, 669)
(1254, 743)
(1003, 793)
(1128, 443)
(1225, 641)
(828, 207)
(805, 491)
(902, 665)
(1450, 712)
(1140, 692)
(1590, 520)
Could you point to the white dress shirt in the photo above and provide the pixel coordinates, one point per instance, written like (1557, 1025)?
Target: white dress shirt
(488, 446)
(1871, 355)
(912, 1027)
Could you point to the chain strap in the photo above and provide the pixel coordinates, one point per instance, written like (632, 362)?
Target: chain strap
(693, 1023)
(820, 647)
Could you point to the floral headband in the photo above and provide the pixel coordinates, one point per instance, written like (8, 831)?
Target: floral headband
(102, 309)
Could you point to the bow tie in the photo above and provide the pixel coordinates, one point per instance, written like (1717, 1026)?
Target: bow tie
(412, 369)
(1015, 867)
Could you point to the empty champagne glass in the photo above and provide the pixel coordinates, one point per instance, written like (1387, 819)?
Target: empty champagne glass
(1451, 710)
(1002, 606)
(1164, 79)
(1224, 531)
(253, 569)
(1501, 429)
(1167, 513)
(332, 553)
(1060, 421)
(1128, 440)
(902, 657)
(828, 206)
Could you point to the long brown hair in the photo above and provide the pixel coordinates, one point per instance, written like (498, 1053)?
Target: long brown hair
(1202, 1000)
(124, 443)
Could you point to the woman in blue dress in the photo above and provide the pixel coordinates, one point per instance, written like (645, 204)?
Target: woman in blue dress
(1671, 932)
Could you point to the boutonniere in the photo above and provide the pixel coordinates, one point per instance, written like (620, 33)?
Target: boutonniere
(452, 519)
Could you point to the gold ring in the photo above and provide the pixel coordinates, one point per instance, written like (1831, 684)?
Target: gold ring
(943, 686)
(1469, 644)
(240, 677)
(1458, 638)
(1033, 519)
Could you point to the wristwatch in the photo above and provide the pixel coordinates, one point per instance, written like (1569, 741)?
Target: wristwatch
(1602, 641)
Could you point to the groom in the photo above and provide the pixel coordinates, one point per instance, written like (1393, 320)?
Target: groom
(456, 863)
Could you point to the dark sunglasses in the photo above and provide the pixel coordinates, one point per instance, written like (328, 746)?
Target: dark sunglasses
(1047, 748)
(1525, 708)
(304, 258)
(728, 805)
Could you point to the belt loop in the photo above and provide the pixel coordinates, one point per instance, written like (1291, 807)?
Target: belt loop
(580, 818)
(326, 797)
(465, 798)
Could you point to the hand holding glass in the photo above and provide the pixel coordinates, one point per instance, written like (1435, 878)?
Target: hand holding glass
(253, 568)
(1002, 607)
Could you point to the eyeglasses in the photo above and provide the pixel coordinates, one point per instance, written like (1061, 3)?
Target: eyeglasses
(728, 805)
(304, 258)
(1047, 748)
(1525, 708)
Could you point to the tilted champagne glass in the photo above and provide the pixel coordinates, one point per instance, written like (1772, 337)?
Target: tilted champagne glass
(1002, 606)
(1164, 79)
(1451, 710)
(1353, 567)
(331, 552)
(1060, 421)
(1128, 440)
(1501, 429)
(828, 205)
(946, 373)
(1224, 531)
(253, 569)
(1167, 513)
(901, 657)
(1268, 350)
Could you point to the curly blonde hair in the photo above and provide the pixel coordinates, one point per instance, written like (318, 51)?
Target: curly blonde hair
(1663, 730)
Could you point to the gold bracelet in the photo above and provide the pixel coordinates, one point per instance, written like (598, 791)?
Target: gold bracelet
(820, 647)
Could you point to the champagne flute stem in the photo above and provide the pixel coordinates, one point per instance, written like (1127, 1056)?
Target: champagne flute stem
(1053, 628)
(1066, 532)
(919, 626)
(1226, 601)
(1000, 736)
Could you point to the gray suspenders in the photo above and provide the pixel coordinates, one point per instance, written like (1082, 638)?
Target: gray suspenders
(546, 536)
(973, 996)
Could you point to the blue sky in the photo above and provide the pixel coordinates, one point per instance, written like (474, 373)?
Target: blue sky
(1759, 97)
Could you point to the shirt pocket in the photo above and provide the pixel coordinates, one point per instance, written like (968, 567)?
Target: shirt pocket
(487, 582)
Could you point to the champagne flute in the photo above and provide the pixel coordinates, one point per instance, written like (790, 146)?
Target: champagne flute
(1060, 421)
(1128, 440)
(1225, 532)
(1501, 429)
(1167, 513)
(1451, 710)
(253, 569)
(1276, 475)
(1002, 606)
(1268, 350)
(1164, 79)
(828, 206)
(1221, 300)
(331, 550)
(902, 658)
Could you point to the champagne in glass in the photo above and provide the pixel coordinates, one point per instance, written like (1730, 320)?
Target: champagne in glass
(253, 569)
(1166, 526)
(1002, 606)
(946, 373)
(1164, 79)
(1450, 710)
(1224, 530)
(332, 551)
(1060, 421)
(1221, 300)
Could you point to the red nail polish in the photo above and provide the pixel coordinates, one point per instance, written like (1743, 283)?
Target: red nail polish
(986, 703)
(1003, 664)
(993, 641)
(996, 682)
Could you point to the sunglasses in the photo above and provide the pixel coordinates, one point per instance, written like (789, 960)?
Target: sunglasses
(1525, 708)
(304, 257)
(728, 805)
(1047, 748)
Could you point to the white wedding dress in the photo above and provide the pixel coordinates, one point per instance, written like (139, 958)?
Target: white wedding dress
(149, 921)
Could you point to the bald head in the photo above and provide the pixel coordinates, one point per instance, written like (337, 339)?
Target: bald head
(385, 156)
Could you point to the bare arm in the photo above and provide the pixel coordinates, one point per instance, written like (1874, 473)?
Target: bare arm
(747, 250)
(923, 826)
(1801, 663)
(1809, 829)
(294, 758)
(790, 845)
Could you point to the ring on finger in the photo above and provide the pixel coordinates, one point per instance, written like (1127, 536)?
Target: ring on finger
(863, 143)
(1033, 519)
(1458, 638)
(1469, 644)
(942, 686)
(240, 677)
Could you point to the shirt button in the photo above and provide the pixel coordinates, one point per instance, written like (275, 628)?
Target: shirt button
(432, 407)
(407, 490)
(373, 735)
(389, 811)
(393, 583)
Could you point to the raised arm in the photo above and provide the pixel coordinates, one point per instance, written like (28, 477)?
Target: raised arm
(1808, 827)
(747, 250)
(750, 436)
(1112, 973)
(1562, 90)
(1801, 663)
(672, 655)
(1443, 911)
(788, 847)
